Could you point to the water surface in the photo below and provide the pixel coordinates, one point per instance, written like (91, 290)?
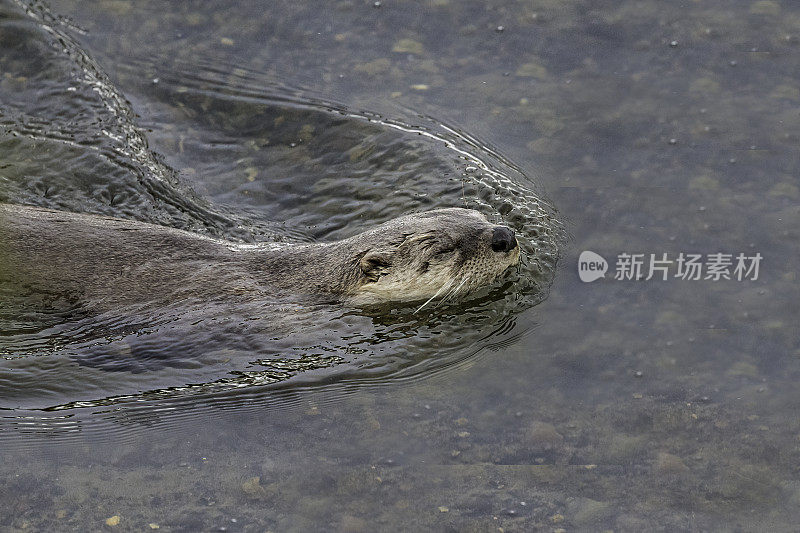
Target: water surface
(615, 405)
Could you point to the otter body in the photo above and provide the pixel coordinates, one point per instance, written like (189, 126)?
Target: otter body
(109, 262)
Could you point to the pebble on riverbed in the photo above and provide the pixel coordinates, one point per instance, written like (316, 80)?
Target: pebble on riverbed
(542, 436)
(408, 46)
(669, 465)
(254, 490)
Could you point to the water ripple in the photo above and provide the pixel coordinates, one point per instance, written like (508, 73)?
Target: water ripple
(274, 163)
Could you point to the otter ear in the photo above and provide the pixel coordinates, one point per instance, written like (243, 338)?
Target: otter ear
(375, 264)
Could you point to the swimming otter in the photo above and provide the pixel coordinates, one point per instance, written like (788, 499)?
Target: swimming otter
(109, 262)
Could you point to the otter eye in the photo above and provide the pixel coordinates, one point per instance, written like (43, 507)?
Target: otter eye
(445, 250)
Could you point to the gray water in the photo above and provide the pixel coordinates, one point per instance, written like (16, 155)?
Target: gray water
(614, 405)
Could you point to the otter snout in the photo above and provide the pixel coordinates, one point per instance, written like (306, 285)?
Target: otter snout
(503, 239)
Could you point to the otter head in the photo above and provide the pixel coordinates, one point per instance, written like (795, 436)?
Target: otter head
(438, 254)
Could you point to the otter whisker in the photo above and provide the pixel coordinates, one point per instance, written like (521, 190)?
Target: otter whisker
(444, 287)
(453, 290)
(452, 287)
(456, 291)
(448, 292)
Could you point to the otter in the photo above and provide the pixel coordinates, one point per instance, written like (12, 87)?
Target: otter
(107, 262)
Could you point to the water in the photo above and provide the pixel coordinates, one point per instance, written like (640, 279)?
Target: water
(612, 405)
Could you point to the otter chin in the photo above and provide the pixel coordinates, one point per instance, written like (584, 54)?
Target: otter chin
(435, 255)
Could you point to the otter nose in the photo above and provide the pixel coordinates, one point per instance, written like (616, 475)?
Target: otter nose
(503, 239)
